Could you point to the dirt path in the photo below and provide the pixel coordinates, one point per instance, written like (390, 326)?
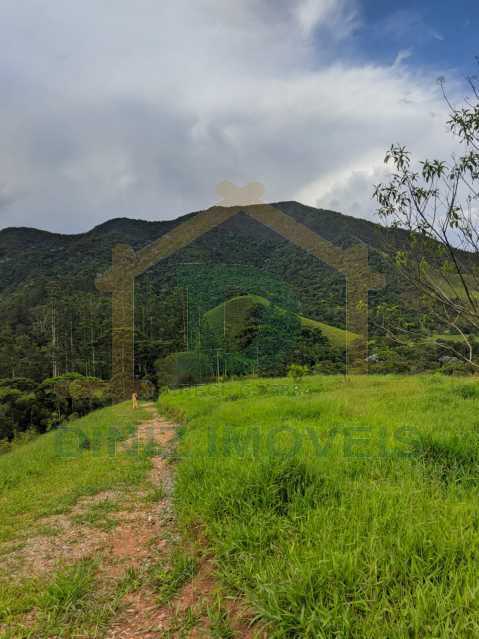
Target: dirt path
(159, 588)
(198, 608)
(145, 537)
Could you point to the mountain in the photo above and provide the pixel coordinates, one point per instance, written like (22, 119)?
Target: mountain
(24, 250)
(52, 319)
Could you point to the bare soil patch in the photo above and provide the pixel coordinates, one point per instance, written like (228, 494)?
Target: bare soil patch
(136, 535)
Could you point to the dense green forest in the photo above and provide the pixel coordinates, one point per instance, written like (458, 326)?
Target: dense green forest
(27, 406)
(54, 324)
(52, 319)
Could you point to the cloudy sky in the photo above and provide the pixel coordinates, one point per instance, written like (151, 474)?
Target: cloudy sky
(139, 108)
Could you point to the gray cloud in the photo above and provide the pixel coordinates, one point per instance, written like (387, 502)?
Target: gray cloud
(140, 109)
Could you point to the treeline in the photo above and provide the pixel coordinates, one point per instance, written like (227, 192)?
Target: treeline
(26, 406)
(448, 355)
(62, 332)
(70, 332)
(52, 329)
(55, 335)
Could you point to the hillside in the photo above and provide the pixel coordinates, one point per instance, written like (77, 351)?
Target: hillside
(232, 317)
(28, 253)
(87, 524)
(53, 320)
(336, 336)
(295, 509)
(331, 515)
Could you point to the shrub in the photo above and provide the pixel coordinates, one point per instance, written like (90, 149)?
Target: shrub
(297, 371)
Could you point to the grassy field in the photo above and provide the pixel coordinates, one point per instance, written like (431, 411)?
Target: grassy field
(49, 474)
(234, 313)
(341, 508)
(47, 477)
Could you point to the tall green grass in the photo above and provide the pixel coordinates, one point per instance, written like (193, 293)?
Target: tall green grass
(341, 508)
(69, 604)
(47, 475)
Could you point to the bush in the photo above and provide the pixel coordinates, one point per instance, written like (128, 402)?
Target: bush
(297, 371)
(183, 369)
(328, 367)
(456, 368)
(27, 406)
(146, 390)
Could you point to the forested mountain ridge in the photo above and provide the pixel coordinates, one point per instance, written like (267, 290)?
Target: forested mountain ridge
(23, 250)
(52, 319)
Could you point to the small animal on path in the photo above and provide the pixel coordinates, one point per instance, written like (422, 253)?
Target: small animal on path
(134, 400)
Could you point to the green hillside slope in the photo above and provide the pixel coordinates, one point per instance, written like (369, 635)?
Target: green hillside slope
(52, 317)
(49, 474)
(232, 316)
(335, 516)
(336, 336)
(47, 286)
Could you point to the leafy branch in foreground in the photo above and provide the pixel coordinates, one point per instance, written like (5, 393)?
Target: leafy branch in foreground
(436, 203)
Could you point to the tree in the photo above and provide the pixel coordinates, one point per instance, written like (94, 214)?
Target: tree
(436, 203)
(297, 372)
(276, 333)
(311, 347)
(17, 406)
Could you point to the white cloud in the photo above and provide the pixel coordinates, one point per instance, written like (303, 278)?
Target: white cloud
(140, 109)
(340, 16)
(402, 56)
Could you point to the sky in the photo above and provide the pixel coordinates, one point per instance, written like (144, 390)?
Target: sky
(139, 108)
